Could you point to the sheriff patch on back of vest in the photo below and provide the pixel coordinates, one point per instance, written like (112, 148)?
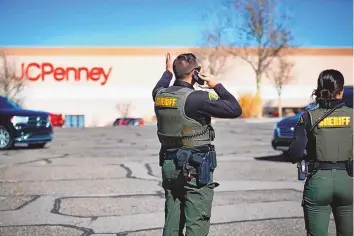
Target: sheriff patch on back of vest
(187, 156)
(335, 121)
(333, 136)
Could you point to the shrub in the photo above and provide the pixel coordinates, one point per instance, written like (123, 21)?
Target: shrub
(251, 105)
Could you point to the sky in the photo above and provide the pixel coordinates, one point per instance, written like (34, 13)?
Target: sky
(154, 23)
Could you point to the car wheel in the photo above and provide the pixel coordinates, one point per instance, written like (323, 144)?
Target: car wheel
(37, 145)
(5, 138)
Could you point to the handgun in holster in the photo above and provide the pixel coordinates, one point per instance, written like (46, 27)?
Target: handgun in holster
(204, 164)
(181, 161)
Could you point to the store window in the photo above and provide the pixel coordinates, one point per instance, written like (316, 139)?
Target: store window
(75, 121)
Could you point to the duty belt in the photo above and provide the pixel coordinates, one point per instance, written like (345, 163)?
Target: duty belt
(342, 165)
(199, 162)
(169, 155)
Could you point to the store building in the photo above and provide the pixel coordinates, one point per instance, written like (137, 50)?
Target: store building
(92, 81)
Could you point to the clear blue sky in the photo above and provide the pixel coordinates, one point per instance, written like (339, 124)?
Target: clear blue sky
(316, 23)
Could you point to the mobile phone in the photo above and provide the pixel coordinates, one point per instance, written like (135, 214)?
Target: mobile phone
(198, 79)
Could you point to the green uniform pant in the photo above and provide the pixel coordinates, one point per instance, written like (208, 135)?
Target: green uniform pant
(186, 205)
(326, 191)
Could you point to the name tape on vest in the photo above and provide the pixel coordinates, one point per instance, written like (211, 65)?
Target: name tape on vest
(166, 102)
(335, 121)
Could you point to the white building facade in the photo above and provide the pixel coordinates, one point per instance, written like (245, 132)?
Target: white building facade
(92, 81)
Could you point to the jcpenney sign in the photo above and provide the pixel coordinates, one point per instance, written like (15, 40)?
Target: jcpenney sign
(48, 71)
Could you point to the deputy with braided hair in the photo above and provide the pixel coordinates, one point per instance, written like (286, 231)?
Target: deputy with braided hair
(187, 156)
(323, 142)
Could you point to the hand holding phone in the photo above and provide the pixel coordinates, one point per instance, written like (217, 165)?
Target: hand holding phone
(208, 79)
(198, 79)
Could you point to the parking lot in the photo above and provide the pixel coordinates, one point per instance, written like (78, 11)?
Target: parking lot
(106, 181)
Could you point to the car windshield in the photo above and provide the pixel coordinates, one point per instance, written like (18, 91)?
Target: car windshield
(6, 103)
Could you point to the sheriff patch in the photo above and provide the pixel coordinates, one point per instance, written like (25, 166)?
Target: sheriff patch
(335, 121)
(166, 102)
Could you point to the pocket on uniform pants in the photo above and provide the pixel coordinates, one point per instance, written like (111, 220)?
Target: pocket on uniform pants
(319, 174)
(318, 189)
(207, 198)
(169, 171)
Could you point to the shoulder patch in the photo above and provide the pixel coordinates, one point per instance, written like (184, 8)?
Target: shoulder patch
(213, 96)
(335, 121)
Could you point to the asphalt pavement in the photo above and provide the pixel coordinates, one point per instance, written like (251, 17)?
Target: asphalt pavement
(106, 181)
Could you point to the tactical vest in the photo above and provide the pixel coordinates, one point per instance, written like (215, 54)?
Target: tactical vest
(333, 136)
(174, 128)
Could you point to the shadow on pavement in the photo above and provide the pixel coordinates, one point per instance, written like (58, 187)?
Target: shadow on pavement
(276, 158)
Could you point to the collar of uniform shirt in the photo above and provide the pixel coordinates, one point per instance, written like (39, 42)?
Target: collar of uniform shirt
(332, 104)
(183, 84)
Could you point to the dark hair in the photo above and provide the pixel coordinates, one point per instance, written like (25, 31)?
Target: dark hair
(329, 84)
(184, 64)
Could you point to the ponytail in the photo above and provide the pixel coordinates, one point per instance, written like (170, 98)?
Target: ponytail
(329, 84)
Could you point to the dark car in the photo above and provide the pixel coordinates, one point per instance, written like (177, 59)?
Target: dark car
(284, 130)
(21, 126)
(128, 121)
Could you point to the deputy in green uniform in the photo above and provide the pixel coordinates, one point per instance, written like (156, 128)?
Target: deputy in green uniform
(187, 155)
(324, 140)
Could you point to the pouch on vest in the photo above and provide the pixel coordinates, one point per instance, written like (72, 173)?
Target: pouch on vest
(211, 133)
(350, 167)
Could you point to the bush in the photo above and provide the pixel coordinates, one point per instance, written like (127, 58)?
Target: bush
(251, 105)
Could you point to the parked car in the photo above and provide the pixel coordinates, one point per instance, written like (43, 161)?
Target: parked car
(128, 121)
(21, 126)
(56, 120)
(285, 128)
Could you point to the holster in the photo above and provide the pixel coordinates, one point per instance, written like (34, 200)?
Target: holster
(349, 167)
(204, 164)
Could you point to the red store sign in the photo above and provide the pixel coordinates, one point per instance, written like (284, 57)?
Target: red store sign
(46, 70)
